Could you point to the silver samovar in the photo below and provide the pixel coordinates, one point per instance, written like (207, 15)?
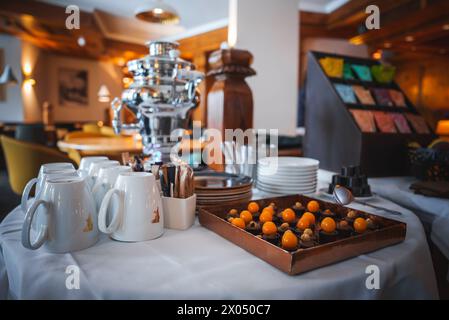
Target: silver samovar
(162, 97)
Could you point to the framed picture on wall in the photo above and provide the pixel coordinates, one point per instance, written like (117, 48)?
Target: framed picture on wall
(73, 87)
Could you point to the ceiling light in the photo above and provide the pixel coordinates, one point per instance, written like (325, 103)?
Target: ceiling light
(409, 38)
(157, 12)
(387, 44)
(103, 94)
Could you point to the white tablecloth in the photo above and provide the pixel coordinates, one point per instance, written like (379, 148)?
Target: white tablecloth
(434, 212)
(197, 264)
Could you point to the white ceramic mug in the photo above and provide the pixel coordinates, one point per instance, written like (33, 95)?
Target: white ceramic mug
(87, 161)
(83, 169)
(62, 168)
(65, 215)
(95, 167)
(137, 215)
(105, 181)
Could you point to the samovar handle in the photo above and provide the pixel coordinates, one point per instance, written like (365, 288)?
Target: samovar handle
(117, 125)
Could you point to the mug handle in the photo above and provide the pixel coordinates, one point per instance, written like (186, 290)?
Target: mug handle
(102, 214)
(26, 194)
(95, 188)
(42, 234)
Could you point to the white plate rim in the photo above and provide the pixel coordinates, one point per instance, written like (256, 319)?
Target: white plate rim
(290, 162)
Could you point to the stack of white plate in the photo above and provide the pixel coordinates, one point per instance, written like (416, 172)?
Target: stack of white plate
(287, 175)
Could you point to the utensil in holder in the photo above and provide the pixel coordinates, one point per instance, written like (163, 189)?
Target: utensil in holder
(179, 213)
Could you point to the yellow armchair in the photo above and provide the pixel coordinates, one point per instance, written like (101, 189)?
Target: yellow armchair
(91, 127)
(23, 160)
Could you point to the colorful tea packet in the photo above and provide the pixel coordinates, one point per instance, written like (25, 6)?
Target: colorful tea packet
(362, 72)
(363, 95)
(418, 123)
(347, 72)
(364, 119)
(346, 93)
(384, 122)
(398, 98)
(382, 96)
(333, 67)
(401, 123)
(383, 73)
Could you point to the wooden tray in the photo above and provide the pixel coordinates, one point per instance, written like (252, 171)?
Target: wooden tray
(302, 260)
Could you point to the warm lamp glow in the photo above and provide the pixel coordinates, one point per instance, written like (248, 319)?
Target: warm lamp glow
(232, 26)
(377, 55)
(357, 40)
(443, 128)
(28, 84)
(27, 69)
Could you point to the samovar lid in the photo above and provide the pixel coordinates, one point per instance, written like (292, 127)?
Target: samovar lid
(161, 48)
(163, 57)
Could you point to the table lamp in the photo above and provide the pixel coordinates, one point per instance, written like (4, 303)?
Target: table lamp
(443, 129)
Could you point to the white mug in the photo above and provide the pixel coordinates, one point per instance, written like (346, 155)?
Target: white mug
(95, 167)
(105, 181)
(83, 169)
(138, 213)
(61, 168)
(87, 161)
(55, 166)
(65, 215)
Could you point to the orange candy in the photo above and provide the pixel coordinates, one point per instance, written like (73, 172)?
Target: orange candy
(289, 240)
(313, 206)
(253, 207)
(238, 222)
(265, 216)
(246, 216)
(328, 225)
(269, 228)
(360, 225)
(309, 216)
(303, 224)
(268, 209)
(288, 215)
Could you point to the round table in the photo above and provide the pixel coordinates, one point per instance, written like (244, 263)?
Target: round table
(102, 144)
(199, 264)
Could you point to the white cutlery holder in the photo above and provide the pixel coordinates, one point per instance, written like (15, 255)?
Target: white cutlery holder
(179, 213)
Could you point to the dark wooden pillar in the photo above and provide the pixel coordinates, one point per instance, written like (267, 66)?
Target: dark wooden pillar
(230, 101)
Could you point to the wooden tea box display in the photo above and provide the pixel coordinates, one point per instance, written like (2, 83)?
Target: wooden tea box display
(353, 119)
